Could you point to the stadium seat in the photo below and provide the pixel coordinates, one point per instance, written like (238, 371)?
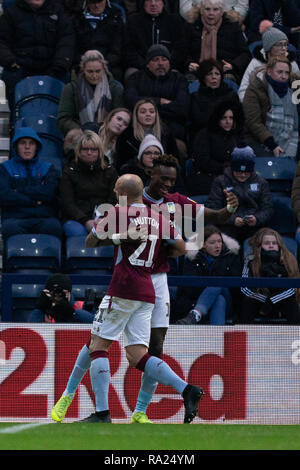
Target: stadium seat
(37, 95)
(290, 243)
(279, 172)
(24, 298)
(80, 259)
(283, 219)
(52, 152)
(45, 126)
(194, 86)
(33, 253)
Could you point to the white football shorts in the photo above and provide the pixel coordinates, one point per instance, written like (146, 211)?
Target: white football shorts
(161, 311)
(116, 316)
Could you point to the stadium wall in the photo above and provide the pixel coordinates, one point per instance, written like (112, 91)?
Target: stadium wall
(249, 374)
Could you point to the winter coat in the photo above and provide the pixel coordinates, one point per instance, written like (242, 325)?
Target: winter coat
(41, 40)
(265, 9)
(228, 263)
(68, 114)
(106, 36)
(259, 61)
(82, 188)
(295, 195)
(28, 188)
(205, 100)
(254, 196)
(211, 154)
(172, 86)
(256, 105)
(231, 45)
(143, 30)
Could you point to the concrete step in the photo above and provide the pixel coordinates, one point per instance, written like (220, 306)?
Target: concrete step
(4, 143)
(4, 126)
(3, 158)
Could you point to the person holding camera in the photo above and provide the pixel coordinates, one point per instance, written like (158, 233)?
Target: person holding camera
(56, 304)
(252, 190)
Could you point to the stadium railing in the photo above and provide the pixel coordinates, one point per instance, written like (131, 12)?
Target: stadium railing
(9, 279)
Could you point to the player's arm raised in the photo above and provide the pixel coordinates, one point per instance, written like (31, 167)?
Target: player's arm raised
(222, 215)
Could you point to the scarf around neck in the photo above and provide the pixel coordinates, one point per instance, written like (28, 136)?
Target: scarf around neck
(209, 40)
(280, 88)
(93, 103)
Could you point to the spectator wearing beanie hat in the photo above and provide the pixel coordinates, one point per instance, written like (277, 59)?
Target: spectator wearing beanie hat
(168, 89)
(142, 165)
(255, 202)
(274, 42)
(56, 303)
(153, 25)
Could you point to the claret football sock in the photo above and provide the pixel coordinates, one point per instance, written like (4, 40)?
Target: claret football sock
(80, 368)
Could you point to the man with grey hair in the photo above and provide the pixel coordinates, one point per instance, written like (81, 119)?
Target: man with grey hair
(213, 35)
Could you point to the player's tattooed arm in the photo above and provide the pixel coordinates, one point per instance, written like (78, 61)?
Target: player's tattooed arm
(221, 216)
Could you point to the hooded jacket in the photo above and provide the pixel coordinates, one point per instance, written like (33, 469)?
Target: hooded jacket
(27, 187)
(41, 40)
(228, 263)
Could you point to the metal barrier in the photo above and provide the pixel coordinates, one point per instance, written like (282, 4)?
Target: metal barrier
(8, 279)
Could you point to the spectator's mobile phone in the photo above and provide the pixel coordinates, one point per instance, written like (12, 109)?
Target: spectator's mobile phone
(247, 217)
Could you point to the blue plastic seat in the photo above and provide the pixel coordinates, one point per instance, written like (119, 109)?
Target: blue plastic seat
(37, 95)
(194, 86)
(283, 219)
(44, 125)
(28, 253)
(80, 259)
(290, 243)
(52, 152)
(279, 172)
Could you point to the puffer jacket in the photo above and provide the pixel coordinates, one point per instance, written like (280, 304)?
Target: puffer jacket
(84, 187)
(41, 40)
(28, 188)
(254, 196)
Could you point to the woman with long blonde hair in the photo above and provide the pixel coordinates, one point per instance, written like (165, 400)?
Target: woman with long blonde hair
(145, 120)
(269, 257)
(86, 182)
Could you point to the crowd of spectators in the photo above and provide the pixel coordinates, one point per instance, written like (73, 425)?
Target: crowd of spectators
(210, 82)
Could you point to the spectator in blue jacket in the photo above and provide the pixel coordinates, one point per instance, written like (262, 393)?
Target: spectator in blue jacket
(28, 189)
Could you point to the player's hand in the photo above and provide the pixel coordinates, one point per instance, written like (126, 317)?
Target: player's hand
(231, 199)
(136, 234)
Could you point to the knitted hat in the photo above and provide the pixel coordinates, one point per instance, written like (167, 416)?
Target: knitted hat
(149, 141)
(270, 35)
(59, 280)
(157, 50)
(242, 159)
